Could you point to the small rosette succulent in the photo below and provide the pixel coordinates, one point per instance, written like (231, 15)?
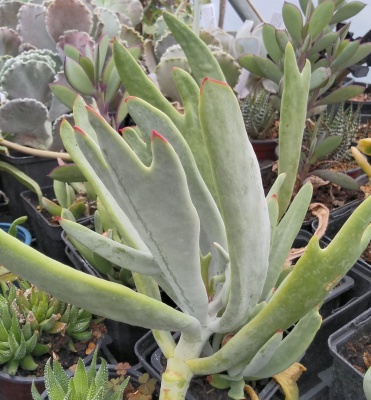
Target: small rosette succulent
(28, 313)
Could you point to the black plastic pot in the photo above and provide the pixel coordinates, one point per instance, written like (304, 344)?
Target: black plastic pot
(124, 336)
(150, 357)
(315, 383)
(347, 380)
(265, 149)
(47, 234)
(36, 168)
(365, 106)
(4, 210)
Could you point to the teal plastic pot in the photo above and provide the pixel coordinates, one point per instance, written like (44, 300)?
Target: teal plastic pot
(23, 234)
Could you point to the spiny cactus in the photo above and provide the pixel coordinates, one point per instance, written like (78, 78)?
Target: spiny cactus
(26, 314)
(258, 114)
(93, 382)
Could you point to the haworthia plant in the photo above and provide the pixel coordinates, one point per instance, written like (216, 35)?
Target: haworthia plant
(216, 248)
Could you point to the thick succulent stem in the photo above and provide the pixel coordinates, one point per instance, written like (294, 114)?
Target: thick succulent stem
(35, 152)
(175, 380)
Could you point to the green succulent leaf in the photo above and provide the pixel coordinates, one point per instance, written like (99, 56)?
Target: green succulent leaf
(78, 78)
(293, 20)
(270, 42)
(327, 146)
(261, 66)
(202, 62)
(346, 11)
(320, 18)
(22, 178)
(338, 178)
(340, 95)
(347, 52)
(323, 42)
(67, 173)
(64, 94)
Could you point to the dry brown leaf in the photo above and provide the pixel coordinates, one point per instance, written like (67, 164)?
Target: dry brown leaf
(251, 392)
(294, 254)
(287, 380)
(317, 182)
(320, 211)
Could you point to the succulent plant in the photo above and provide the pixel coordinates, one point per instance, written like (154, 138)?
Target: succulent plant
(258, 114)
(313, 38)
(31, 36)
(196, 223)
(27, 314)
(92, 383)
(18, 342)
(42, 25)
(162, 53)
(326, 143)
(28, 114)
(344, 124)
(91, 73)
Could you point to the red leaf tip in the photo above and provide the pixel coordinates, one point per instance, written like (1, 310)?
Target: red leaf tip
(129, 98)
(156, 135)
(77, 129)
(58, 218)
